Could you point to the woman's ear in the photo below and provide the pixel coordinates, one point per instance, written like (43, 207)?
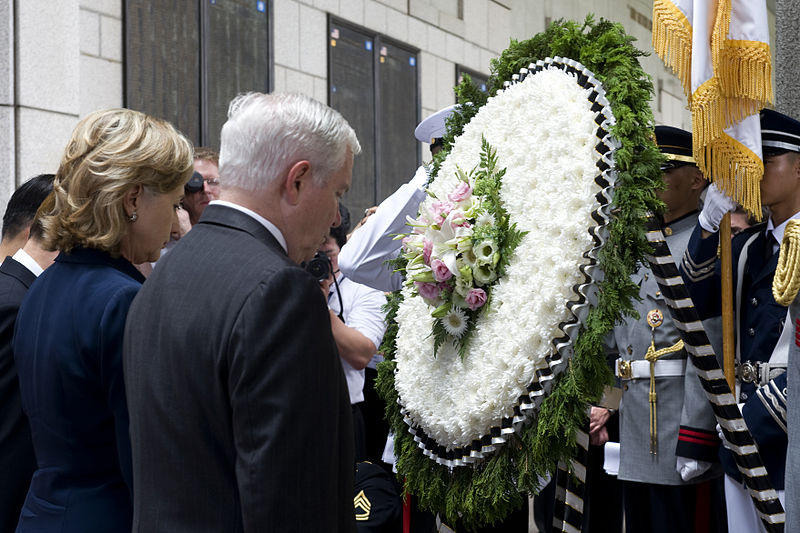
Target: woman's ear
(131, 200)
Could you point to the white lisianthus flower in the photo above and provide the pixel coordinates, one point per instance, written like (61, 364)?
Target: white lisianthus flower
(455, 322)
(468, 256)
(463, 280)
(485, 252)
(484, 273)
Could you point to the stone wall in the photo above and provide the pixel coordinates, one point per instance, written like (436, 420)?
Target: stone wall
(61, 60)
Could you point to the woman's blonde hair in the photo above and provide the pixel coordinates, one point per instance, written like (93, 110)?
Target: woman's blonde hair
(109, 153)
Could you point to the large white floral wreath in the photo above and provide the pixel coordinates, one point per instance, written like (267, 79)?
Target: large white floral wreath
(550, 133)
(534, 332)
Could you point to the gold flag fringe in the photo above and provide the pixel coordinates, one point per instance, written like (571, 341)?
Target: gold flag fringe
(745, 70)
(786, 282)
(672, 41)
(740, 86)
(736, 170)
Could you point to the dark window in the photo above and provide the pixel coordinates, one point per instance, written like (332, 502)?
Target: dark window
(185, 60)
(479, 79)
(373, 82)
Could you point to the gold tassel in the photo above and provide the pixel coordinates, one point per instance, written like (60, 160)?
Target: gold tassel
(746, 71)
(737, 171)
(653, 355)
(672, 41)
(786, 282)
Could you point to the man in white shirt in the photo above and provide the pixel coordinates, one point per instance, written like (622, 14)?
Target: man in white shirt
(357, 322)
(363, 259)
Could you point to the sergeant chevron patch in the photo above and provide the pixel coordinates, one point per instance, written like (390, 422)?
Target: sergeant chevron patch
(362, 502)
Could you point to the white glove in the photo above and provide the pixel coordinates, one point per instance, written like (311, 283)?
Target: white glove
(420, 178)
(714, 208)
(691, 468)
(722, 437)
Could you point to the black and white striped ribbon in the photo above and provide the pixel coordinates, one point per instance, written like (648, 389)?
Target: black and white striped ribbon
(570, 484)
(723, 403)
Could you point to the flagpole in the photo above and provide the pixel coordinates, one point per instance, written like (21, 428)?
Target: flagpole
(728, 340)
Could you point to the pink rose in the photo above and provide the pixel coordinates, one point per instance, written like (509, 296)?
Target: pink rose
(476, 298)
(427, 250)
(459, 219)
(441, 210)
(429, 291)
(440, 270)
(461, 192)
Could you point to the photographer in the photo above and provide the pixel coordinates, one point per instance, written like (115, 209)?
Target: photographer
(357, 320)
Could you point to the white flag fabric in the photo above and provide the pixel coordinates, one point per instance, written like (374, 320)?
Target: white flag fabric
(719, 49)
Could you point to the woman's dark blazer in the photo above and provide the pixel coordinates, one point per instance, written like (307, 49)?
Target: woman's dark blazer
(68, 351)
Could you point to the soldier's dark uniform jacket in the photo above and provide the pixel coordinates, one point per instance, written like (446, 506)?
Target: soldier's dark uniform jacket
(760, 324)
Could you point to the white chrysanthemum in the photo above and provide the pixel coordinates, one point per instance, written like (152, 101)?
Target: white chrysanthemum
(455, 322)
(544, 132)
(484, 219)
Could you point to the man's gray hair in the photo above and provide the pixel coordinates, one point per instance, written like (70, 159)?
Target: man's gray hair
(267, 133)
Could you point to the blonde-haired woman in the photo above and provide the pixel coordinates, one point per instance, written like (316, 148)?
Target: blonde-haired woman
(114, 203)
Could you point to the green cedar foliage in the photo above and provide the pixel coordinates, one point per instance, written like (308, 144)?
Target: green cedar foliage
(487, 492)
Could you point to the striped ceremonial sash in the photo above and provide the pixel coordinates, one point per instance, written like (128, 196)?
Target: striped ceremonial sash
(686, 319)
(570, 485)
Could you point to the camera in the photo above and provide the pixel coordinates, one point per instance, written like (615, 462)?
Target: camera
(319, 266)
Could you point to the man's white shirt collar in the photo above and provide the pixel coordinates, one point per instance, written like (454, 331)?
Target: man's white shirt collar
(28, 262)
(272, 228)
(778, 231)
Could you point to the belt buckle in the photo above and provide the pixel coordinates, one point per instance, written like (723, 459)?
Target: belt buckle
(748, 372)
(624, 369)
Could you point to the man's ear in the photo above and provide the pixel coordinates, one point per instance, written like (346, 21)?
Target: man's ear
(297, 179)
(796, 165)
(131, 200)
(698, 181)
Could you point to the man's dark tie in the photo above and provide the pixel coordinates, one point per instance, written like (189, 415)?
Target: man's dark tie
(769, 246)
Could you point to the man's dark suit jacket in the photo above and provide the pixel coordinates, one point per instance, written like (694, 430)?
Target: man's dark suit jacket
(239, 412)
(17, 460)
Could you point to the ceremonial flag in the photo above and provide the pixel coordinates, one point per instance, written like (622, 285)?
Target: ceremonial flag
(719, 49)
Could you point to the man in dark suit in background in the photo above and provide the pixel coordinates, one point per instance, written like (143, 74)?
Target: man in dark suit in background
(239, 412)
(20, 211)
(17, 272)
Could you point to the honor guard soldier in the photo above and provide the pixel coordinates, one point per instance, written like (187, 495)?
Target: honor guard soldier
(668, 442)
(760, 380)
